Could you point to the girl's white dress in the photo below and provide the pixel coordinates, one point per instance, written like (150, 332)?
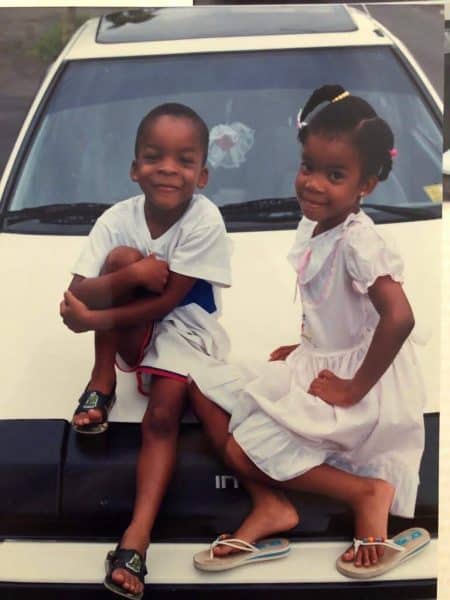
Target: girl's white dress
(287, 431)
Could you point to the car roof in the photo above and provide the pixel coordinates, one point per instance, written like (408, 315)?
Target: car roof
(156, 24)
(223, 28)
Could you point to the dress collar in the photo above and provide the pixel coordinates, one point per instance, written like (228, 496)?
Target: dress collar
(309, 254)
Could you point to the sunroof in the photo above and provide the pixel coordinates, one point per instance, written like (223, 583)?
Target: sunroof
(158, 24)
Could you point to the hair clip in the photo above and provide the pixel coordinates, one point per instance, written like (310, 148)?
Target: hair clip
(300, 124)
(393, 152)
(341, 96)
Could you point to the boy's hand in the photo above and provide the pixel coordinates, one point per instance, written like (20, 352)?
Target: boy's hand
(75, 314)
(334, 390)
(152, 273)
(282, 352)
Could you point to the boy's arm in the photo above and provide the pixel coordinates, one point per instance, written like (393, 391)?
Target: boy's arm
(78, 317)
(114, 288)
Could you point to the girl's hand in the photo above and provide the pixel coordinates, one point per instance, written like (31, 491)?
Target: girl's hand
(75, 314)
(334, 390)
(282, 352)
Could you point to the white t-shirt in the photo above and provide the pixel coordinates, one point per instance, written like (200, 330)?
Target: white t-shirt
(196, 245)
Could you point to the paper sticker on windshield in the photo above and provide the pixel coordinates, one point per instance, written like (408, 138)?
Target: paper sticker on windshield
(229, 144)
(434, 192)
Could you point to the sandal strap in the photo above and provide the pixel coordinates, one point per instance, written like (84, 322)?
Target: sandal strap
(376, 541)
(91, 399)
(128, 559)
(235, 543)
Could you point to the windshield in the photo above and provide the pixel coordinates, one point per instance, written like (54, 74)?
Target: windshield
(83, 145)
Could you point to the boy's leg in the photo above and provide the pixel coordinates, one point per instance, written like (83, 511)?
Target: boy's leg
(128, 342)
(369, 498)
(271, 511)
(155, 466)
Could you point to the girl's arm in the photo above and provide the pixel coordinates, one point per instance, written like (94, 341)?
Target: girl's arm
(282, 352)
(110, 289)
(78, 317)
(395, 324)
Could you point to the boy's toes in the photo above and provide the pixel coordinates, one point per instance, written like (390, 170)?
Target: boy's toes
(127, 581)
(94, 415)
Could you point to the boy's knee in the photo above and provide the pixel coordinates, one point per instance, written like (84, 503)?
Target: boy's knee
(161, 422)
(121, 257)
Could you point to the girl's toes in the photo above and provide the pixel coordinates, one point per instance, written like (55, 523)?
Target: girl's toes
(359, 558)
(366, 557)
(373, 555)
(349, 554)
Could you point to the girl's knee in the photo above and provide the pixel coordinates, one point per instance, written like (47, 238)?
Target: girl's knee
(121, 257)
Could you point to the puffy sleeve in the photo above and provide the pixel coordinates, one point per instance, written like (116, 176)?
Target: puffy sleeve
(204, 253)
(302, 238)
(96, 248)
(369, 256)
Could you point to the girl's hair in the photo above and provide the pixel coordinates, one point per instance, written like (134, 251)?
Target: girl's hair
(353, 116)
(174, 109)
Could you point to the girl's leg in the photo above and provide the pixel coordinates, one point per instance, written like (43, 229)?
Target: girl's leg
(128, 342)
(271, 511)
(155, 467)
(369, 498)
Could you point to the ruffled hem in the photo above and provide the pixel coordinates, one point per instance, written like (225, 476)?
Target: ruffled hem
(288, 457)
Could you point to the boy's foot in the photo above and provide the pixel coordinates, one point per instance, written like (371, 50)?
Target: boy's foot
(123, 578)
(273, 514)
(93, 408)
(371, 517)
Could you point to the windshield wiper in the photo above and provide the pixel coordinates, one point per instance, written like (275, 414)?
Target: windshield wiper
(262, 209)
(274, 209)
(79, 213)
(426, 210)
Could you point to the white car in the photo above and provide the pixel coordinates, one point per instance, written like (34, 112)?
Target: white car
(66, 501)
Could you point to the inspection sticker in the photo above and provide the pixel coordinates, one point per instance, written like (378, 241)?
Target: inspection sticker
(434, 192)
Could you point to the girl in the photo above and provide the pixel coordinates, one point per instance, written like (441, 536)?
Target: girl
(340, 413)
(147, 283)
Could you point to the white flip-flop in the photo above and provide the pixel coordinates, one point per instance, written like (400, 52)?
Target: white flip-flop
(267, 549)
(397, 549)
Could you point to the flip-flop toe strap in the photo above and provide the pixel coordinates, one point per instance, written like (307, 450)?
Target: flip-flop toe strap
(376, 541)
(235, 543)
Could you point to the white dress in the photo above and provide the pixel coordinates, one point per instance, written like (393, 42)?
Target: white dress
(196, 245)
(287, 431)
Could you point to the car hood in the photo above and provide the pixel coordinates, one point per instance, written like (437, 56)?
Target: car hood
(45, 366)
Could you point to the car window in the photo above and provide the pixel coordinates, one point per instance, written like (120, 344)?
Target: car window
(83, 145)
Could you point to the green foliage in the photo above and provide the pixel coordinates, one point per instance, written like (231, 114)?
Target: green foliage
(51, 42)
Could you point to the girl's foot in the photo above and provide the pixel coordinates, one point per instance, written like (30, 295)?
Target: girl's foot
(371, 516)
(273, 514)
(95, 415)
(132, 539)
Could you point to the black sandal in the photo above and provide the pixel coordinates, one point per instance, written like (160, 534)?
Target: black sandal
(131, 561)
(90, 399)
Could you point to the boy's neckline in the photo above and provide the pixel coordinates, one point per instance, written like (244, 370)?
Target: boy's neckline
(167, 229)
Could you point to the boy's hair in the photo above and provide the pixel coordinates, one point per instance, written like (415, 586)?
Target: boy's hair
(175, 110)
(351, 115)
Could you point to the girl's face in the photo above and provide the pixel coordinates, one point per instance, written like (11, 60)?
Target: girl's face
(169, 165)
(329, 182)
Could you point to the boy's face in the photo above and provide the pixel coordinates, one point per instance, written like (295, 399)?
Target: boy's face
(169, 165)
